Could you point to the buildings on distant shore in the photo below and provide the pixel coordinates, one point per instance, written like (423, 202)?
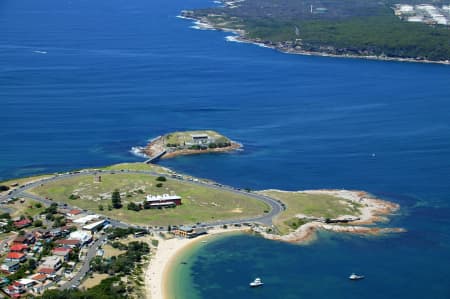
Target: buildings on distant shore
(423, 13)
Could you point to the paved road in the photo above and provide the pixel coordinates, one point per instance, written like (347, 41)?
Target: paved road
(266, 219)
(92, 252)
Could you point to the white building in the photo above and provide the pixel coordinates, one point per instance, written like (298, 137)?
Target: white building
(83, 236)
(86, 219)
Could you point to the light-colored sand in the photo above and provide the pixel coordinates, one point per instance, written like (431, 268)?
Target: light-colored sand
(372, 210)
(157, 270)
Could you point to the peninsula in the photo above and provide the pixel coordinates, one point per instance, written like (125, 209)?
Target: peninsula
(168, 210)
(370, 29)
(188, 143)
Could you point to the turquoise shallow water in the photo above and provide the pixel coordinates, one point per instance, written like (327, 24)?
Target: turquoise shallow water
(83, 81)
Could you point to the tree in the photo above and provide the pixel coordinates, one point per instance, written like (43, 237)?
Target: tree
(133, 207)
(159, 185)
(161, 179)
(37, 223)
(100, 207)
(116, 200)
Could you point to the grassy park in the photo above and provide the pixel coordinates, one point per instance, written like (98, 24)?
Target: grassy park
(314, 205)
(199, 203)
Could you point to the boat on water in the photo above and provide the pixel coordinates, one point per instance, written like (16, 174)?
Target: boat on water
(354, 276)
(256, 283)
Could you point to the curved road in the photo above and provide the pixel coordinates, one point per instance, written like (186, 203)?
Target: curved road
(266, 219)
(275, 208)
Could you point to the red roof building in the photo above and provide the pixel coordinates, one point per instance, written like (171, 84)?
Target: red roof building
(39, 277)
(48, 271)
(23, 223)
(17, 256)
(63, 252)
(18, 247)
(74, 212)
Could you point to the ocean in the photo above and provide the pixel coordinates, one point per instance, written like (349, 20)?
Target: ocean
(81, 82)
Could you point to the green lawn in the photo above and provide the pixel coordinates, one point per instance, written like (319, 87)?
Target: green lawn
(26, 207)
(199, 203)
(138, 166)
(317, 205)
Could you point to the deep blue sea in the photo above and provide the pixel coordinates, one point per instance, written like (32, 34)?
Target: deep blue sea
(83, 81)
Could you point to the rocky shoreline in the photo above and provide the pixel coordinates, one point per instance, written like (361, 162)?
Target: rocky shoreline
(157, 146)
(290, 47)
(373, 210)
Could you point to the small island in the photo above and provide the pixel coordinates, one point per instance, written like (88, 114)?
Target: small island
(188, 143)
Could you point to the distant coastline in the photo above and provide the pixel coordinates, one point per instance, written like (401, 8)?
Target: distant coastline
(284, 47)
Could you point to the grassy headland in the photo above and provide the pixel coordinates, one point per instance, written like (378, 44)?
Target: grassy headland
(199, 203)
(312, 205)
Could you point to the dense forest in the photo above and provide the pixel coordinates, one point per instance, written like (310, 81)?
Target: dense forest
(356, 27)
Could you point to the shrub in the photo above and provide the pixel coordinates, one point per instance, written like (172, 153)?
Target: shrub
(159, 185)
(161, 179)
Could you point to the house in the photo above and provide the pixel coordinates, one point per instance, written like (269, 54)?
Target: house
(62, 252)
(69, 243)
(74, 213)
(39, 277)
(164, 201)
(47, 271)
(27, 239)
(41, 234)
(22, 223)
(15, 289)
(18, 247)
(52, 262)
(26, 283)
(82, 236)
(10, 266)
(16, 256)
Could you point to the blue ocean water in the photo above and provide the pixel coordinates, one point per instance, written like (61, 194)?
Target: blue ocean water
(81, 82)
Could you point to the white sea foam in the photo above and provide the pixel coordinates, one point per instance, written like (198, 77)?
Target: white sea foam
(183, 17)
(40, 52)
(202, 26)
(138, 151)
(233, 38)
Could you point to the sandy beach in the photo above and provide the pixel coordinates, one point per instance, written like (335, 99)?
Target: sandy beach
(159, 266)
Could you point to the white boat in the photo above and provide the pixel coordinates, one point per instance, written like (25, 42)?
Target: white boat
(256, 283)
(353, 276)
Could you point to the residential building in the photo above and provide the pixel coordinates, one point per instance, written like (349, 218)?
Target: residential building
(10, 266)
(16, 256)
(53, 262)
